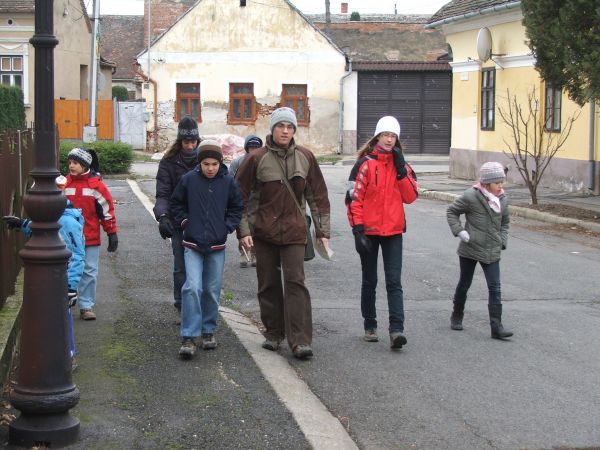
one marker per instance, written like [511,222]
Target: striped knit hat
[82,156]
[491,172]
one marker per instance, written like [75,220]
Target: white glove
[464,236]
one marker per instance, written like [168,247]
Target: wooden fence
[16,157]
[72,115]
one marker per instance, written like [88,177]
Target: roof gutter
[341,108]
[469,15]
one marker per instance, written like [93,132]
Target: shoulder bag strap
[287,184]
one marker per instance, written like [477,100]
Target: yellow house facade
[230,63]
[481,89]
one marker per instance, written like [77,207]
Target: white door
[132,124]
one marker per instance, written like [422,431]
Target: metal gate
[132,124]
[421,101]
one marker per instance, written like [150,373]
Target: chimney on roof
[344,8]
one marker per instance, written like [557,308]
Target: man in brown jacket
[273,225]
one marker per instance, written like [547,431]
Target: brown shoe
[87,314]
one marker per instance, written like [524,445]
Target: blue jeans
[391,249]
[201,293]
[178,266]
[87,285]
[492,277]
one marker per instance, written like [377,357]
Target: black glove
[113,242]
[13,222]
[400,163]
[72,298]
[165,228]
[362,242]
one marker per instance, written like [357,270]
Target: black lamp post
[44,392]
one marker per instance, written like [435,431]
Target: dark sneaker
[187,349]
[271,345]
[87,314]
[371,335]
[302,351]
[209,342]
[397,339]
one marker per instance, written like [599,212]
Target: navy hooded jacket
[208,209]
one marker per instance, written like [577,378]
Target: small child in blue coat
[208,205]
[71,231]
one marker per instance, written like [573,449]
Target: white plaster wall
[265,44]
[350,114]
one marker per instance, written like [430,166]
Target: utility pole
[44,392]
[149,34]
[89,134]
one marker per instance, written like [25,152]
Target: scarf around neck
[380,149]
[189,157]
[492,200]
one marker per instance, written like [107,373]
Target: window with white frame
[11,70]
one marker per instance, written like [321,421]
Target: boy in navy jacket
[208,205]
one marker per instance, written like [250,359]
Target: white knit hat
[389,124]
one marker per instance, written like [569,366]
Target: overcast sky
[126,7]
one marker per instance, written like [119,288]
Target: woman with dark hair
[178,160]
[380,184]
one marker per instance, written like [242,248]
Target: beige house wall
[515,76]
[287,50]
[72,55]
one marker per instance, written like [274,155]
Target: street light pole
[44,392]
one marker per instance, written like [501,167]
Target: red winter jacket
[90,194]
[375,198]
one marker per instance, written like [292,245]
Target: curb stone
[518,211]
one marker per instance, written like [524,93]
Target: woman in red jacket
[380,184]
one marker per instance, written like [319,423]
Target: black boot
[457,314]
[498,331]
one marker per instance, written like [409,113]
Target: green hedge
[120,93]
[114,157]
[12,109]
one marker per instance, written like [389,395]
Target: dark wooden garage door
[421,101]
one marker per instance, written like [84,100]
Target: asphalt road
[445,389]
[449,389]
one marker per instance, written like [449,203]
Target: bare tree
[533,146]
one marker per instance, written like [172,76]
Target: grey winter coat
[487,229]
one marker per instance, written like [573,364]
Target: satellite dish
[484,44]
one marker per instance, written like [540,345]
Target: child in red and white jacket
[380,184]
[87,192]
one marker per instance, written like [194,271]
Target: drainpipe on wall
[341,109]
[136,70]
[592,146]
